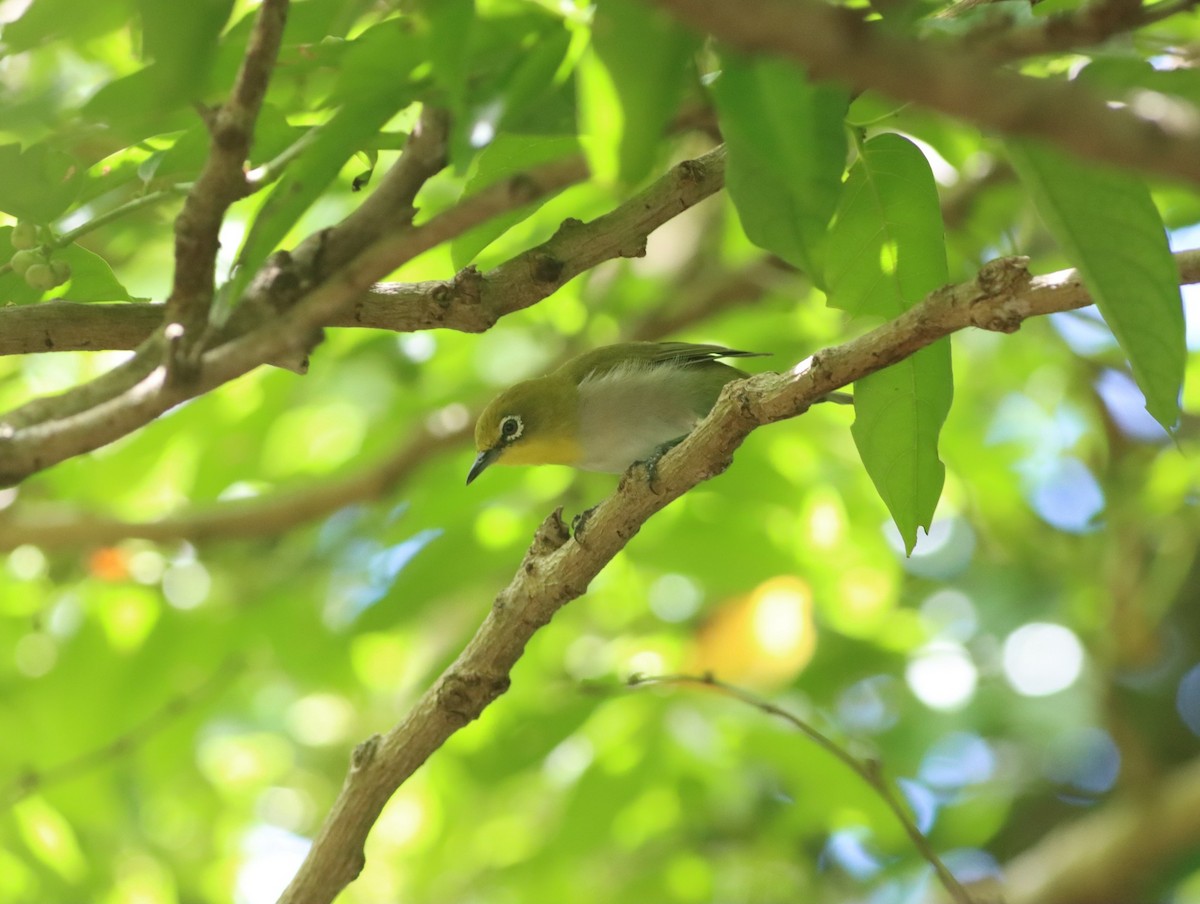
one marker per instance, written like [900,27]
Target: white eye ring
[511,427]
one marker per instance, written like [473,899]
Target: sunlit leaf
[886,252]
[50,837]
[787,152]
[1108,225]
[507,156]
[631,87]
[182,40]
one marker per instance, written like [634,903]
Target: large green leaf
[787,152]
[77,21]
[182,38]
[631,87]
[504,157]
[886,253]
[499,68]
[451,23]
[1109,227]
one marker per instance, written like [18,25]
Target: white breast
[628,412]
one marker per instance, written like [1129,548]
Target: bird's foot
[651,463]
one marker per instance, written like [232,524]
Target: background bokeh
[176,716]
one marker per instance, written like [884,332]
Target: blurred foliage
[177,718]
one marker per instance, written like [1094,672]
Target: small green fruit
[24,236]
[23,260]
[40,277]
[61,270]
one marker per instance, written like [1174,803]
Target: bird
[607,408]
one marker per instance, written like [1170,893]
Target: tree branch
[1092,24]
[834,42]
[470,301]
[558,568]
[241,518]
[49,527]
[221,182]
[27,447]
[1112,853]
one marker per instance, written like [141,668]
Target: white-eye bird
[605,409]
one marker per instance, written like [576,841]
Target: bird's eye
[511,427]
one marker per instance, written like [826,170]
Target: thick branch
[1111,854]
[26,448]
[558,569]
[52,527]
[470,302]
[473,302]
[1087,26]
[834,42]
[242,518]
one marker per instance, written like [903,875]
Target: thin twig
[870,771]
[31,780]
[262,176]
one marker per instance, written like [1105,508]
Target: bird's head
[531,423]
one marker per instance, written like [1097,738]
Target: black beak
[485,458]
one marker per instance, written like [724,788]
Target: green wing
[685,354]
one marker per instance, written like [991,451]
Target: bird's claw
[651,464]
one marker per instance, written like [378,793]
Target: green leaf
[78,21]
[898,414]
[631,86]
[92,279]
[886,253]
[1110,229]
[37,184]
[375,85]
[507,155]
[787,152]
[450,25]
[120,106]
[519,76]
[182,39]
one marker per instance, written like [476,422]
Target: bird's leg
[651,463]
